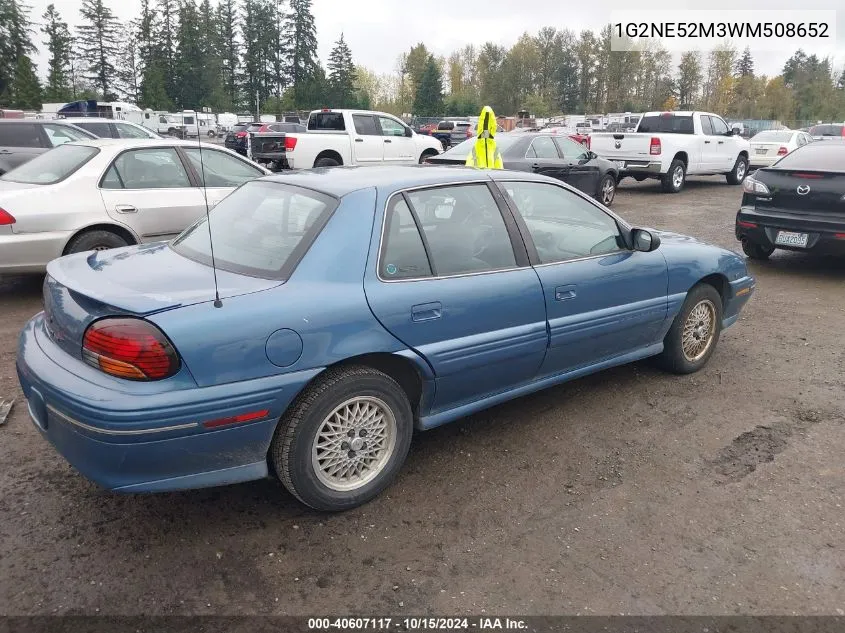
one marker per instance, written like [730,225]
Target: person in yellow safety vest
[484,154]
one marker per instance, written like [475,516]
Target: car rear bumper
[763,161]
[30,252]
[825,233]
[633,167]
[136,440]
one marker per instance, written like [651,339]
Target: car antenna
[217,302]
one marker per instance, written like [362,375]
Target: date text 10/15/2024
[416,624]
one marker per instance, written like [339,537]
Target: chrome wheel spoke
[698,330]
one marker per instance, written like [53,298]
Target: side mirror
[735,131]
[645,241]
[409,132]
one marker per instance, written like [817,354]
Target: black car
[236,140]
[22,140]
[551,155]
[797,204]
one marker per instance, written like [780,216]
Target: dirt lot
[627,492]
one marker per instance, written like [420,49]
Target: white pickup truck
[345,137]
[671,145]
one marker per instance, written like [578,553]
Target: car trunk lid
[137,281]
[802,191]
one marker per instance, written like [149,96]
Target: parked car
[827,131]
[797,204]
[670,146]
[105,193]
[551,155]
[21,140]
[237,139]
[336,320]
[452,132]
[770,146]
[354,137]
[111,128]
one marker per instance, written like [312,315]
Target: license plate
[620,164]
[788,238]
[762,151]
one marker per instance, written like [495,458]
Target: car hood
[148,278]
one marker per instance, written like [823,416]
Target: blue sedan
[340,309]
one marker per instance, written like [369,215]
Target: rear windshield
[52,166]
[772,137]
[815,157]
[826,130]
[327,121]
[672,124]
[262,229]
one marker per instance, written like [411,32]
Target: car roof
[35,121]
[141,142]
[91,119]
[340,181]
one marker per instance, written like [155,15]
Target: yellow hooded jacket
[484,153]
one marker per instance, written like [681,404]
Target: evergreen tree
[129,64]
[98,45]
[280,54]
[301,34]
[59,86]
[689,80]
[211,52]
[26,90]
[154,88]
[15,42]
[342,76]
[190,93]
[429,96]
[227,28]
[165,38]
[257,33]
[745,64]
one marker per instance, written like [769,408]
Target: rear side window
[403,255]
[261,229]
[543,147]
[19,135]
[365,125]
[332,121]
[124,130]
[53,166]
[667,124]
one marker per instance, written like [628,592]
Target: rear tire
[739,172]
[330,425]
[673,180]
[98,240]
[690,342]
[607,190]
[427,154]
[326,162]
[756,251]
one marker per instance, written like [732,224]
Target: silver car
[107,193]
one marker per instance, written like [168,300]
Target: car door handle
[125,208]
[721,142]
[707,142]
[426,311]
[564,293]
[387,140]
[359,140]
[4,152]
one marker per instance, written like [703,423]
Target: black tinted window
[327,121]
[100,129]
[666,123]
[19,135]
[403,255]
[366,125]
[562,224]
[464,229]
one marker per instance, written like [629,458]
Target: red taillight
[129,348]
[236,419]
[839,236]
[655,147]
[240,135]
[6,218]
[587,142]
[810,176]
[290,143]
[747,225]
[783,151]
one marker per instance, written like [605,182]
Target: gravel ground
[630,491]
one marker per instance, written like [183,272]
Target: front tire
[344,440]
[673,180]
[98,240]
[756,251]
[607,190]
[690,342]
[738,173]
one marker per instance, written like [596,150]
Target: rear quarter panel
[309,145]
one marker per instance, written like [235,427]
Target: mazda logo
[803,190]
[617,145]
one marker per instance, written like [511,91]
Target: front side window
[158,168]
[464,229]
[390,127]
[124,130]
[570,149]
[403,254]
[543,147]
[562,225]
[219,169]
[720,128]
[261,229]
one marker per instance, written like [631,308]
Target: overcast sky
[377,31]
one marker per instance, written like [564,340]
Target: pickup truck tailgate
[622,146]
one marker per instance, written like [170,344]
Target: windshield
[462,150]
[52,166]
[262,229]
[772,137]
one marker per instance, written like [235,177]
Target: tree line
[225,54]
